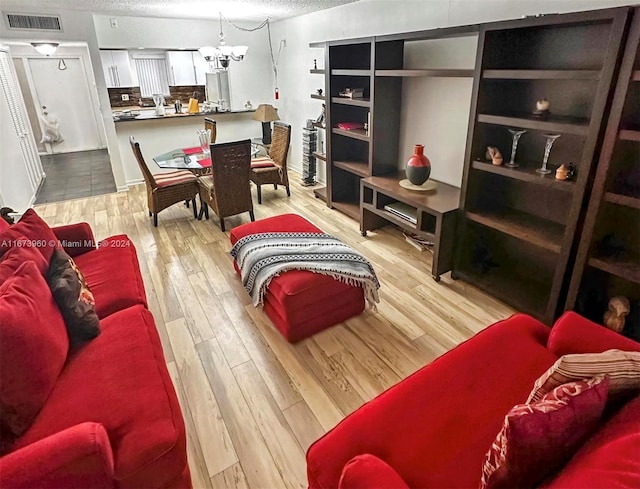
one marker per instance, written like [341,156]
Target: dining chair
[272,169]
[165,189]
[227,190]
[211,124]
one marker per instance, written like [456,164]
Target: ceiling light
[46,48]
[223,53]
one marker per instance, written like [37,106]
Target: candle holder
[551,138]
[515,134]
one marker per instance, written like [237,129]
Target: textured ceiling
[232,9]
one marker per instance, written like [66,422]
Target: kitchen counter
[149,114]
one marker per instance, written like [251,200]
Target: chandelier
[223,53]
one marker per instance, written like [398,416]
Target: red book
[349,126]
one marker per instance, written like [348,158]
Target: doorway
[61,92]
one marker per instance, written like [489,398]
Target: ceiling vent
[34,22]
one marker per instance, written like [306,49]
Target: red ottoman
[301,303]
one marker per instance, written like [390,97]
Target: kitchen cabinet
[117,69]
[186,68]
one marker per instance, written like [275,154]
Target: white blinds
[152,75]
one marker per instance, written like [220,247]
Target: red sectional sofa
[433,429]
[112,418]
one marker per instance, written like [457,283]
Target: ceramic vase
[418,166]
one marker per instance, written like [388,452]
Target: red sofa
[112,418]
[433,429]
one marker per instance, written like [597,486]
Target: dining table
[192,158]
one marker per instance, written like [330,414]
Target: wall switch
[113,22]
[125,97]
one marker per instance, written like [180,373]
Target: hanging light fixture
[223,53]
[46,48]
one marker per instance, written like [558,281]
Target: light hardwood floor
[252,402]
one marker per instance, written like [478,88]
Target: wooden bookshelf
[541,74]
[320,156]
[554,124]
[318,97]
[426,73]
[626,265]
[629,135]
[360,134]
[317,72]
[357,102]
[526,174]
[320,193]
[360,168]
[351,209]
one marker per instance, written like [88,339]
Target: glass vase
[515,134]
[551,138]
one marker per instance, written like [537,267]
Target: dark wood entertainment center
[539,244]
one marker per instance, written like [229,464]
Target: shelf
[318,97]
[360,134]
[351,72]
[398,221]
[320,156]
[629,135]
[635,75]
[553,124]
[523,294]
[541,74]
[620,199]
[526,175]
[358,102]
[351,209]
[445,73]
[360,168]
[316,72]
[626,266]
[318,125]
[320,193]
[539,232]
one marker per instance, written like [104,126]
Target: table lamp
[266,113]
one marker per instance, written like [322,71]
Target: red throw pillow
[536,439]
[12,259]
[32,232]
[33,347]
[369,472]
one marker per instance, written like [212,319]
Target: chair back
[146,173]
[211,125]
[231,173]
[280,141]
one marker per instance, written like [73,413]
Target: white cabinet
[202,67]
[186,68]
[117,68]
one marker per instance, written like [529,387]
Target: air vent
[34,22]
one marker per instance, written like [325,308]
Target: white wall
[437,118]
[78,27]
[250,79]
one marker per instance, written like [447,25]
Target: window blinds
[152,75]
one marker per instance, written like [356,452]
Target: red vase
[418,166]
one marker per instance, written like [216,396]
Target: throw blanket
[261,257]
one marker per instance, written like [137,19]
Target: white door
[21,170]
[65,94]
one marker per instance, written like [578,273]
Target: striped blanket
[261,257]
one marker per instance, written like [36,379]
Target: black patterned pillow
[73,297]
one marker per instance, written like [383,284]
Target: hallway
[76,175]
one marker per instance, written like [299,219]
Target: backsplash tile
[182,93]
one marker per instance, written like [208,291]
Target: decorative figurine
[563,173]
[5,213]
[321,117]
[494,155]
[248,105]
[614,318]
[319,90]
[315,65]
[542,108]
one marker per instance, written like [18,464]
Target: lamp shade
[265,113]
[46,48]
[209,52]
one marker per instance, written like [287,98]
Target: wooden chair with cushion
[272,169]
[211,124]
[227,190]
[166,189]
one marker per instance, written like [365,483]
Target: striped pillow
[621,367]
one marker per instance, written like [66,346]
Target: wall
[78,27]
[438,120]
[250,79]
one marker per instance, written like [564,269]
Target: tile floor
[76,175]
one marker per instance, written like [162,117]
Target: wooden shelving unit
[360,134]
[426,73]
[518,228]
[608,254]
[320,156]
[317,72]
[318,97]
[320,193]
[358,102]
[360,168]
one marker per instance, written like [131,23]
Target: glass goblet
[551,138]
[515,134]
